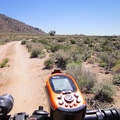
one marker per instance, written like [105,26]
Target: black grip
[107,114]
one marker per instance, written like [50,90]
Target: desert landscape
[28,56]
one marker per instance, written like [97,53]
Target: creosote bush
[84,79]
[36,49]
[74,69]
[61,59]
[35,53]
[49,63]
[103,91]
[87,81]
[116,79]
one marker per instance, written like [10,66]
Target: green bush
[2,65]
[61,40]
[49,63]
[23,42]
[72,41]
[87,81]
[116,79]
[61,59]
[117,62]
[4,62]
[35,49]
[116,69]
[90,45]
[103,91]
[54,47]
[102,64]
[87,41]
[34,53]
[84,79]
[29,46]
[86,55]
[74,69]
[41,55]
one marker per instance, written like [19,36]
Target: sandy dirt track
[24,79]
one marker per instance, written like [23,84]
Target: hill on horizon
[11,25]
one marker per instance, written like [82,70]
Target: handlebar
[106,114]
[6,104]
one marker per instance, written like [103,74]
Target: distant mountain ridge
[8,24]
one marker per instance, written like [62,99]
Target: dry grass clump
[4,62]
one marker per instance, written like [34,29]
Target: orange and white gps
[65,99]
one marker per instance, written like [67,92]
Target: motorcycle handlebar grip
[107,114]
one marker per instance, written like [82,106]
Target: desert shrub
[91,61]
[48,49]
[116,69]
[34,53]
[107,60]
[97,48]
[4,62]
[84,79]
[104,56]
[23,42]
[35,40]
[41,55]
[116,79]
[35,49]
[61,40]
[103,91]
[61,58]
[72,41]
[87,41]
[54,47]
[102,64]
[44,41]
[74,69]
[65,47]
[111,61]
[90,45]
[117,62]
[87,81]
[49,63]
[86,55]
[74,56]
[29,46]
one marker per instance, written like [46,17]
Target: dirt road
[24,79]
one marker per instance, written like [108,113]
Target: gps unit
[65,99]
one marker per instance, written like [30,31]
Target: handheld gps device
[65,99]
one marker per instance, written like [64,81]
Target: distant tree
[52,33]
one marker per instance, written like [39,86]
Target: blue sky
[89,17]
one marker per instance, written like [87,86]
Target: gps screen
[61,83]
